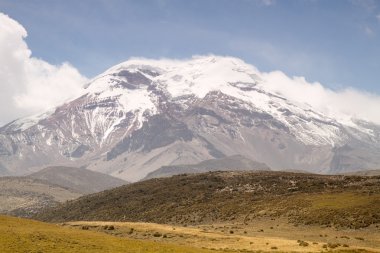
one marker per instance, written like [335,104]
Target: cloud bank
[29,85]
[343,105]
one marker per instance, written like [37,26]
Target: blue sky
[334,42]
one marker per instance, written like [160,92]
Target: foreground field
[266,235]
[21,235]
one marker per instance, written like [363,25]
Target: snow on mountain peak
[133,84]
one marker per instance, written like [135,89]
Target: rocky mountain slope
[236,197]
[144,114]
[77,179]
[230,163]
[23,196]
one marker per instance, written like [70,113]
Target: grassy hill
[22,235]
[339,201]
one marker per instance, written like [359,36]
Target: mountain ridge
[143,114]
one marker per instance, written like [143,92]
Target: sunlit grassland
[21,235]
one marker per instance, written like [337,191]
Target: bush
[303,243]
[157,234]
[333,245]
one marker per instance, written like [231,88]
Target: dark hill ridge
[230,163]
[78,179]
[342,201]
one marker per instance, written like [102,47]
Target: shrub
[157,234]
[333,245]
[303,243]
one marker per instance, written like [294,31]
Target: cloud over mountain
[27,84]
[340,104]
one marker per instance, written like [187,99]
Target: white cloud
[27,84]
[369,31]
[268,2]
[341,105]
[265,3]
[368,5]
[378,17]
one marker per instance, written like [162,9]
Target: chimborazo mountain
[143,114]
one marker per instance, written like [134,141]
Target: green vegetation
[303,199]
[22,235]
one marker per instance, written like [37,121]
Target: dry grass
[264,235]
[21,235]
[343,200]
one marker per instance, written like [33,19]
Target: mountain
[77,179]
[23,196]
[230,163]
[233,197]
[143,114]
[368,173]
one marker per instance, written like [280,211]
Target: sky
[49,48]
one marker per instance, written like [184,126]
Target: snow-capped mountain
[143,114]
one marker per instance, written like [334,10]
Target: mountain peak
[143,114]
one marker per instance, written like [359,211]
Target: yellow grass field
[266,235]
[27,236]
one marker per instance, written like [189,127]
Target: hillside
[22,235]
[230,163]
[340,201]
[366,173]
[78,179]
[24,196]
